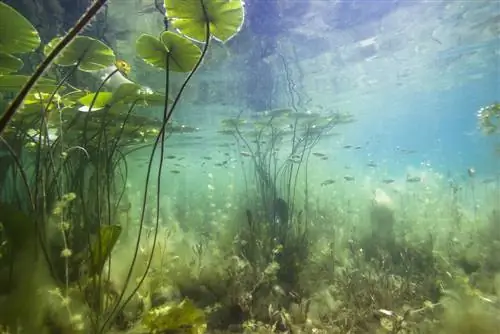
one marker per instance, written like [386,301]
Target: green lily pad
[182,54]
[13,83]
[92,55]
[225,18]
[127,92]
[72,98]
[17,34]
[9,63]
[42,100]
[102,100]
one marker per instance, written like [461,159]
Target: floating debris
[413,179]
[327,182]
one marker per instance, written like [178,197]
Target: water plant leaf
[184,317]
[14,82]
[71,98]
[225,18]
[17,34]
[103,99]
[101,247]
[90,54]
[126,92]
[182,54]
[9,63]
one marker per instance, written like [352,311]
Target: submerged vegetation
[82,252]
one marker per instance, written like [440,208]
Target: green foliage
[97,100]
[101,248]
[86,52]
[180,53]
[185,317]
[225,18]
[12,83]
[9,63]
[17,34]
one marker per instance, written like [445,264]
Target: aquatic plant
[67,150]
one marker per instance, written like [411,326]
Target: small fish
[358,148]
[318,154]
[488,181]
[170,157]
[471,172]
[349,178]
[347,146]
[327,182]
[207,158]
[324,158]
[371,164]
[175,171]
[413,179]
[388,181]
[246,154]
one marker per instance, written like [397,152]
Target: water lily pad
[225,18]
[92,55]
[9,63]
[102,100]
[72,98]
[13,83]
[182,54]
[17,34]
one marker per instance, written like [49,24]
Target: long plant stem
[45,64]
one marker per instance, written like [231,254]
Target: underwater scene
[258,166]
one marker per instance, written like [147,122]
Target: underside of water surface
[230,166]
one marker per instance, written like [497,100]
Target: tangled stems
[45,64]
[167,114]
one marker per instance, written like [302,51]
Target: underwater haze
[258,166]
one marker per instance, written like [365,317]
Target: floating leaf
[9,63]
[13,83]
[89,53]
[103,99]
[184,317]
[42,100]
[17,34]
[126,92]
[225,18]
[72,98]
[100,251]
[182,54]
